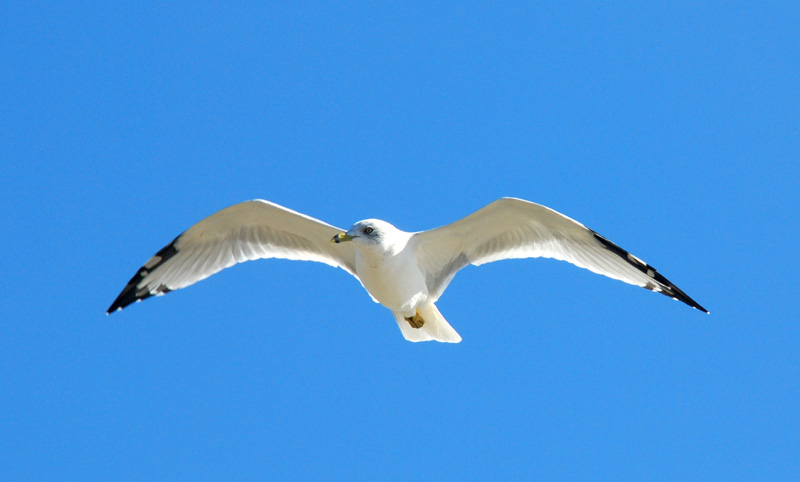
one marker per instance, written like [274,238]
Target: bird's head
[369,232]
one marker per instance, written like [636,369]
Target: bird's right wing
[515,228]
[245,231]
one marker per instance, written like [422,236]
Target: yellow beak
[341,237]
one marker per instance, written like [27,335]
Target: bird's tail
[427,324]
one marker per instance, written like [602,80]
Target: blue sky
[670,127]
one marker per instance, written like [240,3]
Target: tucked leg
[416,321]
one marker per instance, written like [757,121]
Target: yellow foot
[416,321]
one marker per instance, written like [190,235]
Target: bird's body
[379,264]
[405,272]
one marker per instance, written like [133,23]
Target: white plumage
[406,272]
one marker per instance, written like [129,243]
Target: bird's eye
[369,230]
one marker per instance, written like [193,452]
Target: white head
[372,233]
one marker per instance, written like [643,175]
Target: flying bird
[405,272]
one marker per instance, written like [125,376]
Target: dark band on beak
[341,237]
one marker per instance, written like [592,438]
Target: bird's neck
[377,254]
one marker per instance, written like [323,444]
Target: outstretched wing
[249,230]
[515,228]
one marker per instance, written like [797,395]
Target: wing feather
[514,228]
[242,232]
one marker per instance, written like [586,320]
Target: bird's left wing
[245,231]
[515,228]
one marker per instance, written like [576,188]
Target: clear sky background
[669,127]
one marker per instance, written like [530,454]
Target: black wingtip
[686,299]
[132,293]
[129,295]
[665,286]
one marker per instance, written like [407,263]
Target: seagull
[405,272]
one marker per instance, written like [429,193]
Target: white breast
[393,280]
